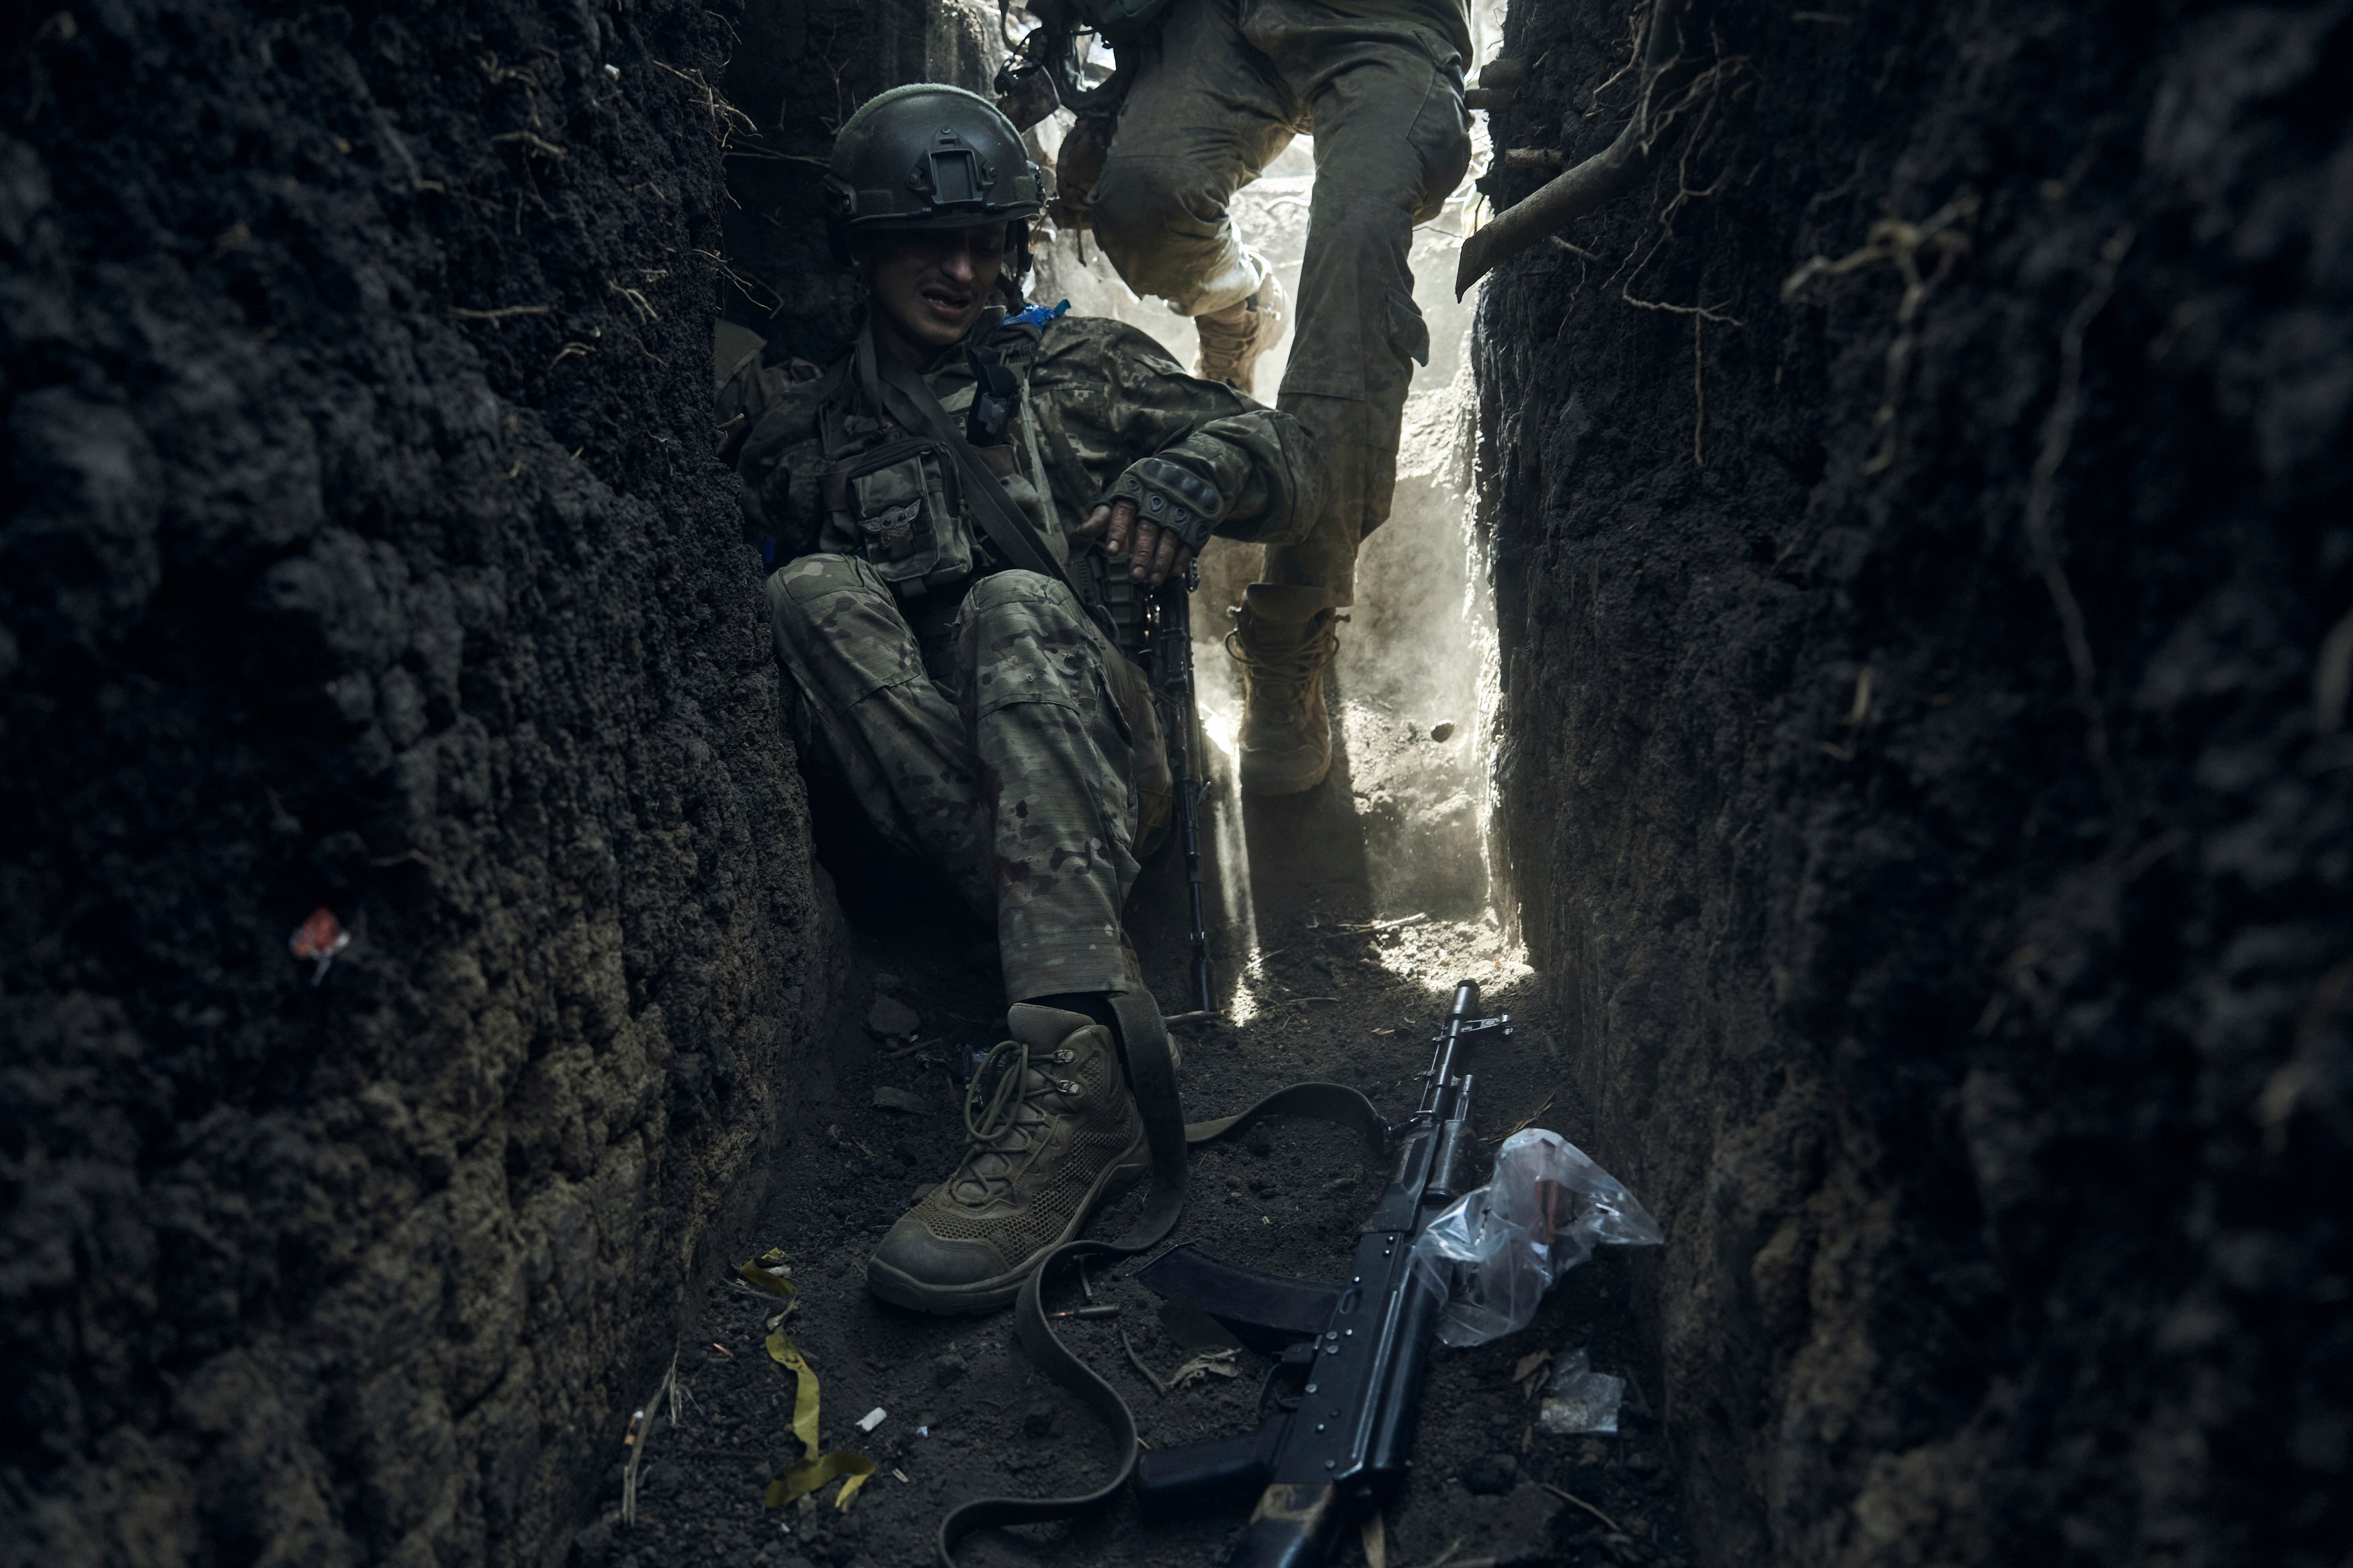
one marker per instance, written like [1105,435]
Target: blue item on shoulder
[1037,315]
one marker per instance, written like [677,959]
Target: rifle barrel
[1437,1093]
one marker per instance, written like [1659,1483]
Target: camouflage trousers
[1223,88]
[1014,769]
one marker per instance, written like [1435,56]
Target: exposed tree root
[2058,432]
[1702,94]
[1903,243]
[1608,173]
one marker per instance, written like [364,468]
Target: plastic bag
[1579,1399]
[1499,1248]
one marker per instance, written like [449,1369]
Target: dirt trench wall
[1925,764]
[362,551]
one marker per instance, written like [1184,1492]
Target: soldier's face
[929,286]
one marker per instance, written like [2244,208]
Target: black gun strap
[1153,1071]
[1332,1102]
[1067,458]
[999,515]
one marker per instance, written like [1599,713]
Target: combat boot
[1230,351]
[1054,1136]
[1286,738]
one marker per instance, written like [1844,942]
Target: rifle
[1169,651]
[1358,1350]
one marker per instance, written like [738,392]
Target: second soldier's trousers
[1016,774]
[1224,87]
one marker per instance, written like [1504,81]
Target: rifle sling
[999,515]
[1153,1073]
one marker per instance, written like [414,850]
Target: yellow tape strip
[815,1469]
[810,1474]
[760,1272]
[785,1354]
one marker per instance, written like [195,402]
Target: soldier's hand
[1155,551]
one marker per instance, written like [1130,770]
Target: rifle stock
[1293,1527]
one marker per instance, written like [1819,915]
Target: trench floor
[1331,990]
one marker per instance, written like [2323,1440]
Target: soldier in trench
[1217,88]
[957,509]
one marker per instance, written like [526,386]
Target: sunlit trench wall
[1974,1016]
[363,550]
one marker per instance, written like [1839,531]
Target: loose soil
[965,1412]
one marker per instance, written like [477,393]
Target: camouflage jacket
[1101,409]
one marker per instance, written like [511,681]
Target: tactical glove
[1172,497]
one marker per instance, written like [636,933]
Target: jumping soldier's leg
[896,738]
[1204,117]
[1391,142]
[1055,1132]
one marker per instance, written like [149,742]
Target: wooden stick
[1572,1496]
[1592,185]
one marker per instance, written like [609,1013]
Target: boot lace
[1006,1125]
[1283,675]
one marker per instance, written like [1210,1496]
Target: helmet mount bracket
[955,176]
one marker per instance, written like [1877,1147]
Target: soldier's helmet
[928,155]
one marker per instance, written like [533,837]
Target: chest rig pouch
[898,504]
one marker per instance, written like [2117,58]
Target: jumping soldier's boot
[1287,739]
[1054,1136]
[1232,348]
